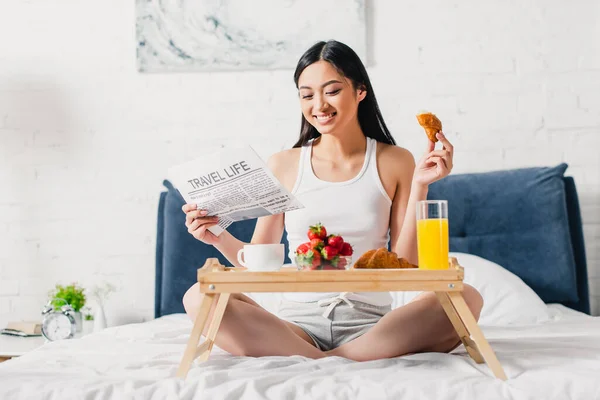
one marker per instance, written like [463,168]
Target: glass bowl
[337,263]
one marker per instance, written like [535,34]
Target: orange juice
[432,240]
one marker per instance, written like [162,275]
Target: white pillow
[506,298]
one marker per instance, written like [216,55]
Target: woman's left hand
[435,164]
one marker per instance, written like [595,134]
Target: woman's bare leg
[247,329]
[419,326]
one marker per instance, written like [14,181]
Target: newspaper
[234,184]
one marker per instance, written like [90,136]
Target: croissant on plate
[431,124]
[382,258]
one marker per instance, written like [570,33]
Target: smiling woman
[351,177]
[332,98]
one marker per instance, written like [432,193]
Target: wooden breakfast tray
[217,282]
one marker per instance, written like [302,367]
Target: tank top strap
[306,164]
[303,161]
[373,154]
[308,175]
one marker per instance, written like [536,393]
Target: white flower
[102,291]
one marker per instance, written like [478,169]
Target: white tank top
[357,209]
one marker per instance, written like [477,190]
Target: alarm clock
[58,324]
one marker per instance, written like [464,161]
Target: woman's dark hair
[347,62]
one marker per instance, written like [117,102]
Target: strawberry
[334,261]
[346,249]
[317,244]
[329,252]
[342,262]
[303,248]
[316,261]
[335,241]
[311,259]
[317,231]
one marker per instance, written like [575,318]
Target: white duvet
[555,359]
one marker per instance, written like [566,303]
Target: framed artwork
[235,35]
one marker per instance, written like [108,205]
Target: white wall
[85,140]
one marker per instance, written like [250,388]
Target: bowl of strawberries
[323,251]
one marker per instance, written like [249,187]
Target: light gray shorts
[342,324]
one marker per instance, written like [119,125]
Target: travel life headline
[220,175]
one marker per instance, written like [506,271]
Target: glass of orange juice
[432,234]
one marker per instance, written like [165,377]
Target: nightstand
[15,346]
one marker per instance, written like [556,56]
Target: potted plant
[88,321]
[72,294]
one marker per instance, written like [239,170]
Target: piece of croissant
[405,264]
[372,259]
[382,258]
[431,124]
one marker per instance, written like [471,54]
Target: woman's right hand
[198,223]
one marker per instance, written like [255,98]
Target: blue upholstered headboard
[527,220]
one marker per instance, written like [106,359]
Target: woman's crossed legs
[422,325]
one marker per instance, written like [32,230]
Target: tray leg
[214,326]
[460,327]
[471,325]
[190,350]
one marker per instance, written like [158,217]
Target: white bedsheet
[559,359]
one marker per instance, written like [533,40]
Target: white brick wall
[85,140]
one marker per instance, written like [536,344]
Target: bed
[518,235]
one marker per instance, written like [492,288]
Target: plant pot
[78,318]
[87,326]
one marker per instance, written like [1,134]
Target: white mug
[262,257]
